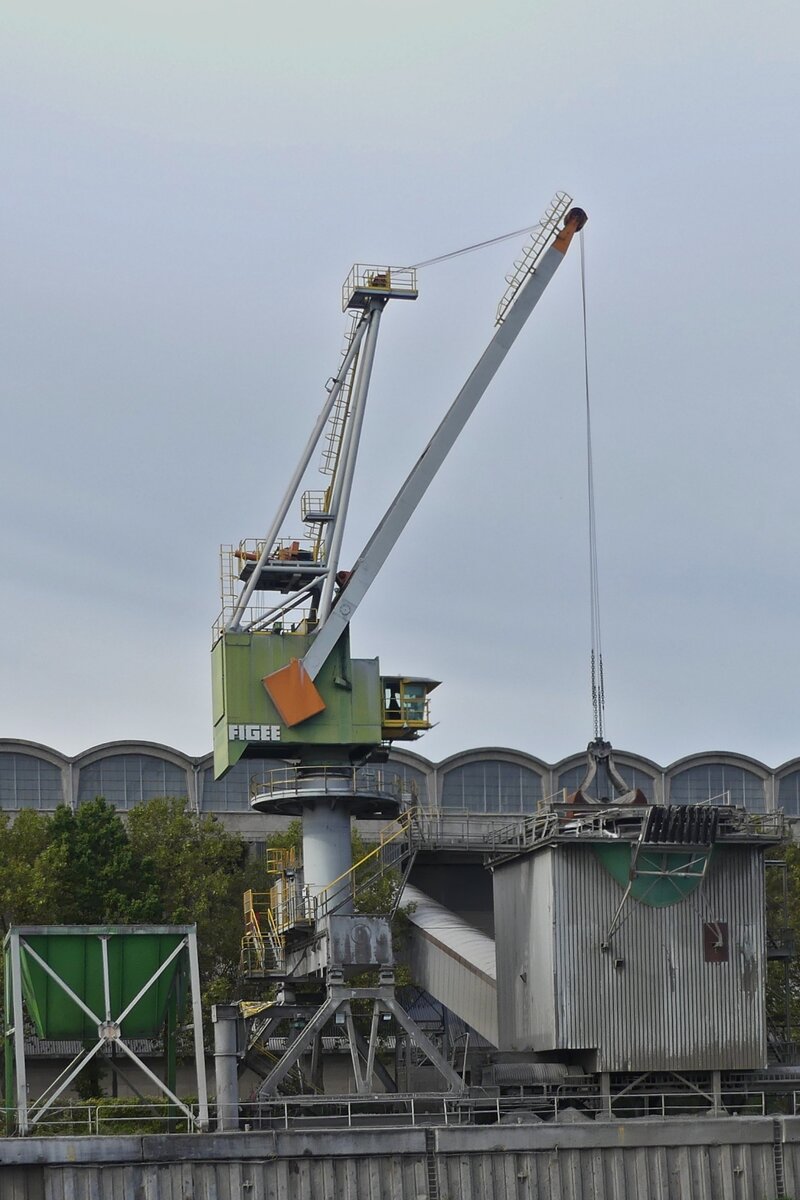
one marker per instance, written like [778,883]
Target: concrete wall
[709,1159]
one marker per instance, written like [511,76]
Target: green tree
[100,876]
[783,932]
[201,872]
[28,891]
[167,866]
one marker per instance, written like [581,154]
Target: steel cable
[503,237]
[598,682]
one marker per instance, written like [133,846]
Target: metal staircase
[315,506]
[263,944]
[338,418]
[287,908]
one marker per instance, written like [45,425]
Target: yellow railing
[398,281]
[413,714]
[260,953]
[408,706]
[279,859]
[286,549]
[251,919]
[345,882]
[268,916]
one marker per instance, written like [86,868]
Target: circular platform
[367,792]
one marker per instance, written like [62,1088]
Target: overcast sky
[186,185]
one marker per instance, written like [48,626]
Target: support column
[170,1049]
[8,1034]
[419,1039]
[226,1018]
[19,1038]
[328,852]
[197,1021]
[605,1096]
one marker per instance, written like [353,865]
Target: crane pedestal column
[328,852]
[326,798]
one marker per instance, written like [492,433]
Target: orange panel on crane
[293,692]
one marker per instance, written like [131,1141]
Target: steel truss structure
[110,1023]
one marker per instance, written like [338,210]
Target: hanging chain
[598,683]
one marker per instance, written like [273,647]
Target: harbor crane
[286,689]
[285,685]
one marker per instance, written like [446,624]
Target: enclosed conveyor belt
[454,962]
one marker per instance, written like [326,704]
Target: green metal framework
[101,985]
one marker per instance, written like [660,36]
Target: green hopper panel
[133,959]
[680,872]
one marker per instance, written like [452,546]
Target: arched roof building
[489,779]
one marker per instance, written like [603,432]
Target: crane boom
[292,687]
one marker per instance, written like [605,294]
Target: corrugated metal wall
[524,953]
[651,1001]
[663,1173]
[715,1159]
[299,1179]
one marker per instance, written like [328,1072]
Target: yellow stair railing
[270,915]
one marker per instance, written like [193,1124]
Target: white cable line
[503,237]
[598,683]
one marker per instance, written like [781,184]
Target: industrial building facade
[485,780]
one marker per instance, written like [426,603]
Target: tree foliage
[100,876]
[166,866]
[28,887]
[783,932]
[200,872]
[163,865]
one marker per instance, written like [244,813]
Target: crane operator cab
[406,711]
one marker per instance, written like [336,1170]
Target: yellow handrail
[398,828]
[281,910]
[274,927]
